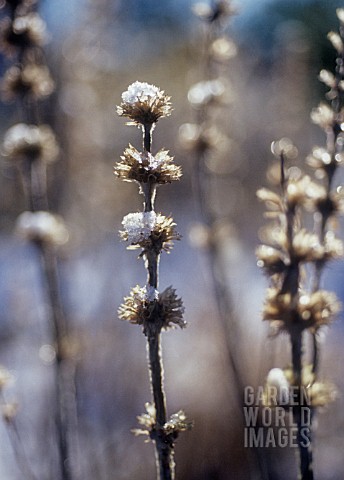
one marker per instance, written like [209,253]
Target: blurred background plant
[95,51]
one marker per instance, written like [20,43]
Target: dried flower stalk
[152,232]
[204,139]
[207,141]
[32,146]
[295,304]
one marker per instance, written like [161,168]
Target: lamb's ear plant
[31,147]
[294,257]
[152,232]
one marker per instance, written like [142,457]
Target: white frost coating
[138,91]
[147,294]
[276,379]
[139,226]
[155,162]
[151,293]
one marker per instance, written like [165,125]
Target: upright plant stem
[164,450]
[59,329]
[291,287]
[303,429]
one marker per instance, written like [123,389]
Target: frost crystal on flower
[151,293]
[42,227]
[30,142]
[138,226]
[138,91]
[149,231]
[144,167]
[144,104]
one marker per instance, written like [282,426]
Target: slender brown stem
[164,449]
[303,428]
[149,191]
[163,445]
[147,136]
[34,173]
[63,372]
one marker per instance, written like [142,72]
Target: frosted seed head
[30,142]
[144,104]
[43,227]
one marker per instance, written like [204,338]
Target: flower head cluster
[313,393]
[30,142]
[320,159]
[301,191]
[145,167]
[177,422]
[153,310]
[144,104]
[149,231]
[27,81]
[307,311]
[25,31]
[42,227]
[295,302]
[32,81]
